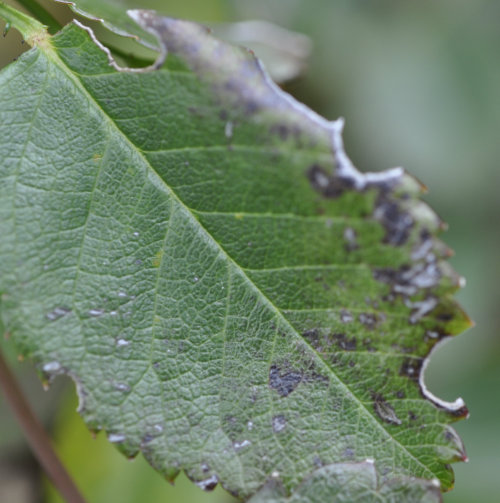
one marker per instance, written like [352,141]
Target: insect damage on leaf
[265,306]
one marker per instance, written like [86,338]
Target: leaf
[230,295]
[112,16]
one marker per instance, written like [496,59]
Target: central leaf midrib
[54,56]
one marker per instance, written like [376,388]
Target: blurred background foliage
[419,85]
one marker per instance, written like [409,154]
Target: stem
[36,435]
[42,15]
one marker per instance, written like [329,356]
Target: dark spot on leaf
[400,394]
[411,368]
[281,130]
[409,280]
[251,107]
[283,382]
[384,410]
[314,376]
[208,484]
[315,339]
[344,342]
[231,420]
[385,471]
[397,222]
[348,453]
[346,316]
[369,320]
[367,343]
[445,317]
[412,415]
[312,334]
[317,462]
[327,185]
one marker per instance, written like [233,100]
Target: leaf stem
[36,435]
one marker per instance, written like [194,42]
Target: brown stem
[36,435]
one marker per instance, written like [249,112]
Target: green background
[419,86]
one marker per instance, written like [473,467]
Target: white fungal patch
[228,129]
[350,238]
[57,313]
[279,423]
[241,445]
[421,308]
[421,250]
[122,387]
[52,367]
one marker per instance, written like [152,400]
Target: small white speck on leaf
[228,129]
[115,438]
[52,367]
[241,445]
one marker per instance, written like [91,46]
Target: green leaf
[229,294]
[113,16]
